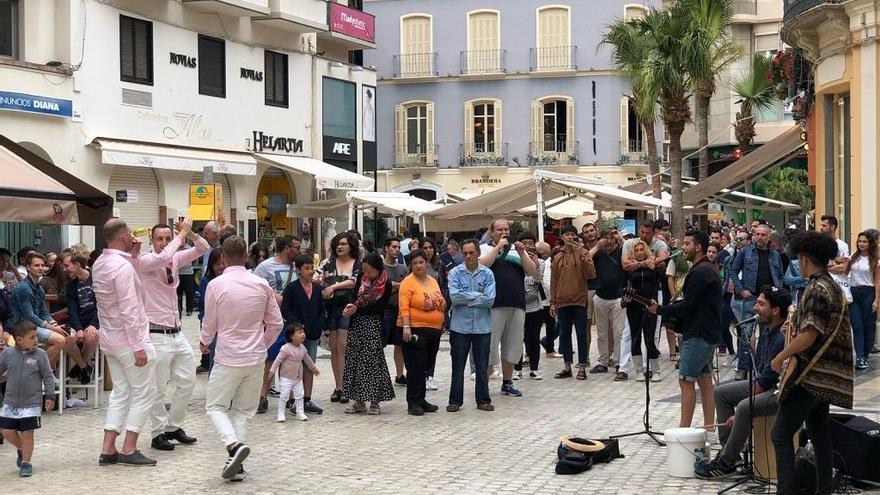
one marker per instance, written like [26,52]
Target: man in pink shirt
[174,356]
[241,310]
[125,340]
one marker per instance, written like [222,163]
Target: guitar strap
[822,349]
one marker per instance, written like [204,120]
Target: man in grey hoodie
[28,376]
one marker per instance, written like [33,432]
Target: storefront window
[339,108]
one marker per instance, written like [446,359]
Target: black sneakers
[310,408]
[235,460]
[715,470]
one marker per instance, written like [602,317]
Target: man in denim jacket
[472,292]
[754,267]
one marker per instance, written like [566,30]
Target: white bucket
[685,448]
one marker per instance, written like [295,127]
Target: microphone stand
[749,475]
[646,419]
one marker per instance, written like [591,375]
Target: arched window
[634,11]
[414,134]
[484,42]
[552,137]
[416,46]
[482,133]
[554,50]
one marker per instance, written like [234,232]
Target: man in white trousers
[175,365]
[125,340]
[241,310]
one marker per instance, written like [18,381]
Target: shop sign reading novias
[21,102]
[352,22]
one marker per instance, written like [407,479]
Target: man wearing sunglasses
[158,272]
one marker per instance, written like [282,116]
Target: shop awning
[750,166]
[384,202]
[609,198]
[152,155]
[34,190]
[567,207]
[730,197]
[326,176]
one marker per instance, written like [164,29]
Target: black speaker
[856,446]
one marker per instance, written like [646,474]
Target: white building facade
[158,91]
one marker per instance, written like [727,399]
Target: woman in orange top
[421,312]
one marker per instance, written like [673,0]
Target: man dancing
[125,340]
[822,345]
[698,314]
[174,358]
[238,306]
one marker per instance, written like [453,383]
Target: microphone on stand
[746,321]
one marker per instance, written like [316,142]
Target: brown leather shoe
[453,408]
[621,377]
[485,407]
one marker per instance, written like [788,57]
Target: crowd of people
[263,315]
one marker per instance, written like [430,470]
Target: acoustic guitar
[789,366]
[630,294]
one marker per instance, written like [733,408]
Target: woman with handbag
[643,281]
[421,314]
[338,275]
[365,378]
[430,249]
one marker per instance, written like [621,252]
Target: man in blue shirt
[756,266]
[732,398]
[29,303]
[472,294]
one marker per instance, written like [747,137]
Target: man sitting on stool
[771,308]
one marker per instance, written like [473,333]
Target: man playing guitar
[821,346]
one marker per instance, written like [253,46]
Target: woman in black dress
[365,377]
[644,282]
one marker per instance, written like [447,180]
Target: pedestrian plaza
[510,450]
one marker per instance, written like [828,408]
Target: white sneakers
[299,417]
[430,383]
[517,375]
[534,375]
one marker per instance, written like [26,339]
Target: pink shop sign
[352,22]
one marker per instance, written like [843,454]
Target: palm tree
[787,184]
[756,93]
[629,51]
[665,77]
[712,50]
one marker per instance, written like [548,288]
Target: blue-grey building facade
[492,84]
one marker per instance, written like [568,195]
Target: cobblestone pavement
[510,450]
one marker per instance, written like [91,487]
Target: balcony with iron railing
[483,154]
[745,7]
[634,151]
[553,153]
[553,58]
[415,65]
[416,156]
[794,8]
[483,61]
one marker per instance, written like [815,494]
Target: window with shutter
[135,50]
[276,79]
[9,29]
[212,66]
